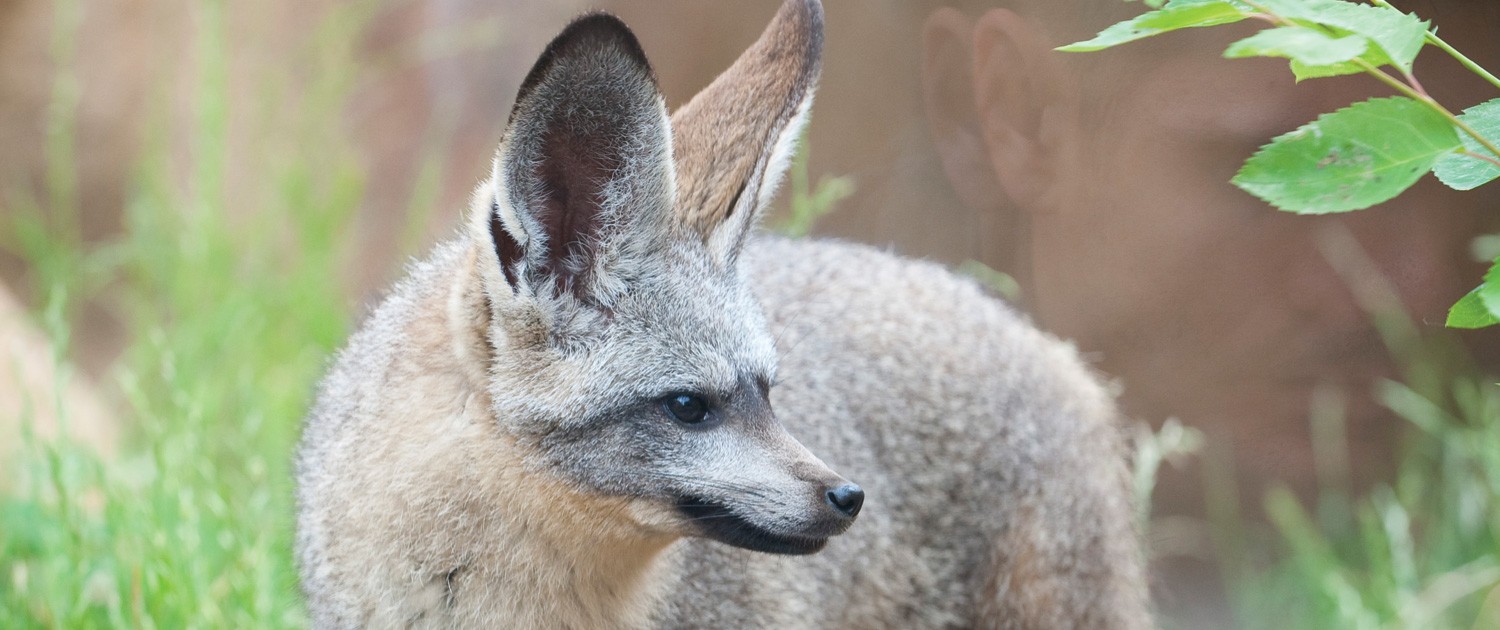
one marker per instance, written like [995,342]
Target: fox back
[579,412]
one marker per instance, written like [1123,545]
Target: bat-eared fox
[608,402]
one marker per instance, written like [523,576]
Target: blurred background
[199,199]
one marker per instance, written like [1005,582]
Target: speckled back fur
[992,458]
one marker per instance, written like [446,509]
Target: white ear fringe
[765,179]
[783,151]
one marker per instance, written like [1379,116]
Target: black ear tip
[595,31]
[809,11]
[600,28]
[804,20]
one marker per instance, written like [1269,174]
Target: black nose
[847,499]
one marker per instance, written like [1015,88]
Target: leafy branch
[1433,39]
[1364,154]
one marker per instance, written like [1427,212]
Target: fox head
[622,348]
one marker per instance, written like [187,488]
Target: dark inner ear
[586,151]
[573,174]
[506,247]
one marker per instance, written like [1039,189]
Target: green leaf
[1481,307]
[1350,159]
[1373,56]
[1399,36]
[1304,72]
[1489,291]
[1304,45]
[1470,312]
[1175,15]
[1466,172]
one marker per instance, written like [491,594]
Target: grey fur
[490,449]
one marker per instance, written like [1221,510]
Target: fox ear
[735,138]
[582,185]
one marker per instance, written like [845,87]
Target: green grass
[233,302]
[1420,552]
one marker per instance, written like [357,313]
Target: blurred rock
[35,389]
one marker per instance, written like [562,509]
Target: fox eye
[686,408]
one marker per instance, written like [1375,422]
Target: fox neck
[553,565]
[553,557]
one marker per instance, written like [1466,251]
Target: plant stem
[1480,156]
[1412,89]
[1430,102]
[1411,80]
[1468,63]
[1433,39]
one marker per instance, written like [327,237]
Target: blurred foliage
[1364,154]
[233,306]
[1418,553]
[811,202]
[1422,551]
